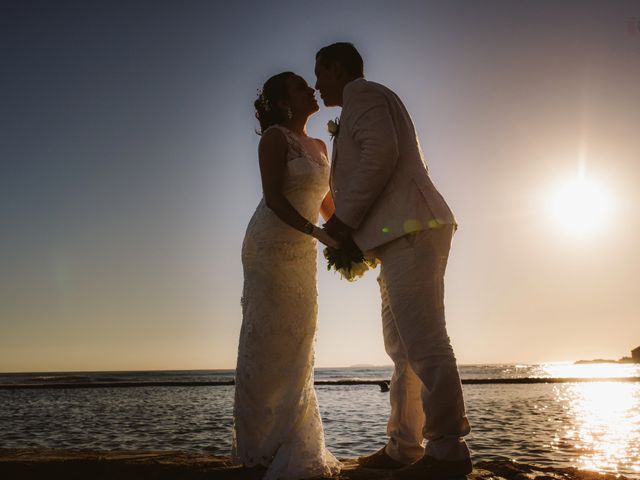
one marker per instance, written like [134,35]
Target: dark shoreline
[31,464]
[383,384]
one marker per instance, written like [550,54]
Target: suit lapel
[334,157]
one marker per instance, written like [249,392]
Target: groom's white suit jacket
[379,178]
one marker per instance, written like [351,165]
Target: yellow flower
[354,272]
[346,265]
[359,268]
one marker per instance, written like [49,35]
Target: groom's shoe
[380,459]
[430,468]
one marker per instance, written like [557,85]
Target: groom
[386,204]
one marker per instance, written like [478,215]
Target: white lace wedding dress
[276,417]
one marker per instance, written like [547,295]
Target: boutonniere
[333,126]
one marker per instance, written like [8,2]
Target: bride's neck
[298,126]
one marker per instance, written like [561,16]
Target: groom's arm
[372,128]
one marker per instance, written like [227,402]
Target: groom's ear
[339,71]
[337,68]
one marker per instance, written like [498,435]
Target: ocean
[591,425]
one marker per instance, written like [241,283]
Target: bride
[277,422]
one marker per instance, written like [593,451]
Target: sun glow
[581,205]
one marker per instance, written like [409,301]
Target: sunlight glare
[580,205]
[589,370]
[605,424]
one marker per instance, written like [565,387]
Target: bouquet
[348,261]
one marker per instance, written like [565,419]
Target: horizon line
[315,368]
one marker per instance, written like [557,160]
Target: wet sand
[27,464]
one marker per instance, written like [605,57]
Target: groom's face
[328,83]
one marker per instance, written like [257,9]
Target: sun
[581,205]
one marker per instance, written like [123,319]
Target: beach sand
[26,464]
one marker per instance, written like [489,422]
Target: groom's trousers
[426,394]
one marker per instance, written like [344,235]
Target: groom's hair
[343,53]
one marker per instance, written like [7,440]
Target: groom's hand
[337,229]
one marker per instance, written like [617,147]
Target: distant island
[604,360]
[634,358]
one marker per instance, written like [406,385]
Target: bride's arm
[327,208]
[272,153]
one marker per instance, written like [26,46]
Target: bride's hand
[322,236]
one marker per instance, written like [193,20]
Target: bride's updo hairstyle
[267,110]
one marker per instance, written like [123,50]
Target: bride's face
[302,98]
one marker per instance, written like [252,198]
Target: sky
[128,173]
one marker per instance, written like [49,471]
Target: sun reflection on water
[589,370]
[602,425]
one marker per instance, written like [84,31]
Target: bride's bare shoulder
[274,134]
[273,137]
[273,144]
[321,144]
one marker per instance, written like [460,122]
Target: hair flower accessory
[264,101]
[333,126]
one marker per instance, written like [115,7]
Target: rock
[53,464]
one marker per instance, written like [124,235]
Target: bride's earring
[289,113]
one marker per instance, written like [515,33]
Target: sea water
[592,425]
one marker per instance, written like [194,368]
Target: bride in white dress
[277,422]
